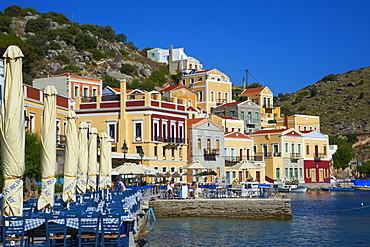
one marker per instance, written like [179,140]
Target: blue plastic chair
[88,229]
[13,231]
[56,232]
[112,231]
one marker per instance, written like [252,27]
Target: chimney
[286,121]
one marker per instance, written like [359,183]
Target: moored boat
[337,189]
[292,188]
[359,187]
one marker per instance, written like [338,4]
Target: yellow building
[154,128]
[211,86]
[229,124]
[263,97]
[181,92]
[34,106]
[300,122]
[282,149]
[239,147]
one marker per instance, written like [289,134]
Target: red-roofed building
[282,150]
[228,123]
[247,111]
[263,97]
[212,87]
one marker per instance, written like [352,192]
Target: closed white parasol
[71,158]
[48,150]
[92,168]
[12,133]
[82,158]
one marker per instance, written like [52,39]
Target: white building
[162,55]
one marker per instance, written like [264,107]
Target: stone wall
[230,207]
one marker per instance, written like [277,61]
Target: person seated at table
[191,190]
[170,190]
[119,186]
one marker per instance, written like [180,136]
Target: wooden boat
[361,187]
[292,188]
[337,189]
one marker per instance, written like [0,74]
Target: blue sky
[285,45]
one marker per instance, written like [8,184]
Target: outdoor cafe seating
[95,217]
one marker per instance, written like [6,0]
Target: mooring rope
[338,211]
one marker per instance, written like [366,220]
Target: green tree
[32,157]
[13,11]
[84,41]
[352,138]
[39,42]
[254,85]
[344,153]
[56,17]
[121,38]
[313,91]
[361,96]
[38,25]
[110,81]
[128,69]
[5,22]
[364,169]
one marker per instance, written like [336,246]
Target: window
[181,134]
[226,97]
[324,150]
[112,131]
[76,92]
[208,144]
[155,151]
[173,133]
[200,95]
[164,151]
[212,96]
[232,113]
[190,66]
[249,117]
[307,149]
[254,149]
[286,147]
[191,80]
[86,92]
[217,144]
[242,115]
[199,143]
[308,174]
[264,148]
[183,81]
[172,169]
[164,131]
[155,132]
[256,116]
[153,55]
[200,78]
[293,149]
[219,97]
[164,169]
[138,130]
[225,153]
[299,148]
[275,148]
[94,92]
[32,124]
[173,152]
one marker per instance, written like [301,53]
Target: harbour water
[320,218]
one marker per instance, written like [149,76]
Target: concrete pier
[230,207]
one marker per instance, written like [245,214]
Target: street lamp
[124,150]
[141,154]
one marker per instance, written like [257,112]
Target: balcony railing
[211,151]
[221,101]
[295,155]
[272,154]
[169,139]
[318,157]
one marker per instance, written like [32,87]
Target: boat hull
[293,190]
[361,187]
[337,189]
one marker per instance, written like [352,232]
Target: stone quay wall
[228,207]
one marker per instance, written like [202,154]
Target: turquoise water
[319,219]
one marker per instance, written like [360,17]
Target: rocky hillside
[52,44]
[342,101]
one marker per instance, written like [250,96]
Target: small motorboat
[337,189]
[292,188]
[361,187]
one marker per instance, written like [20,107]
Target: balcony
[176,140]
[232,159]
[272,154]
[318,157]
[221,101]
[211,151]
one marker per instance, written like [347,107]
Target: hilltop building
[212,87]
